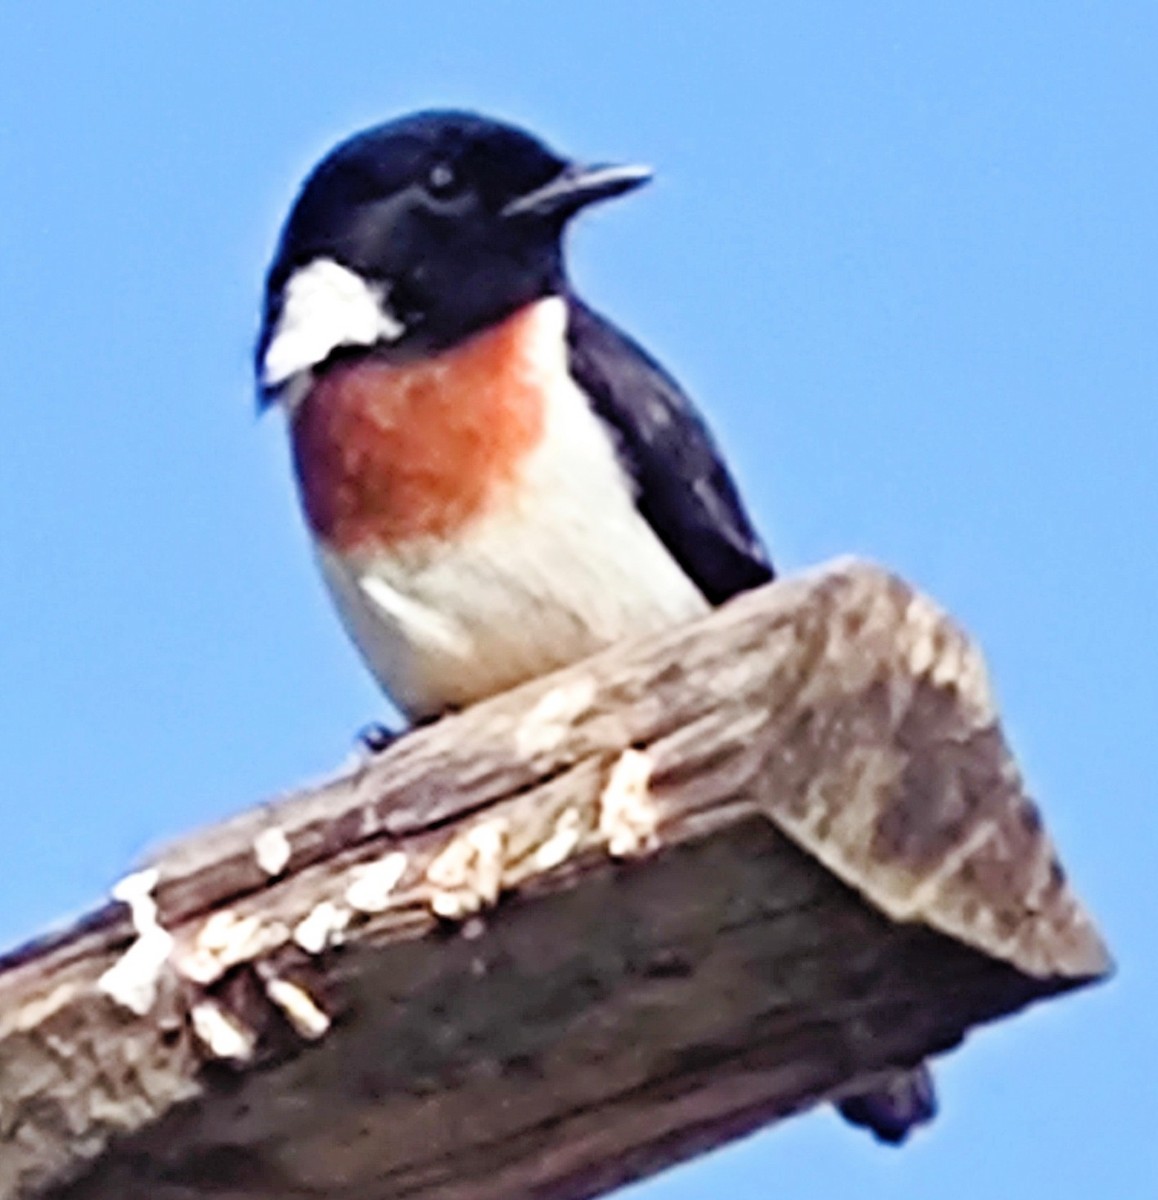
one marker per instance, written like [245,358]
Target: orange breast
[388,453]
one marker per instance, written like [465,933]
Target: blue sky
[903,254]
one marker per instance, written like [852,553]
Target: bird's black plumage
[896,1106]
[683,488]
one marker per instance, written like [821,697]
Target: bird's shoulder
[683,486]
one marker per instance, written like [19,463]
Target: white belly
[567,568]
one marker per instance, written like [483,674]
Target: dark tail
[894,1107]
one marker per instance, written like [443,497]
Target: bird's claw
[376,738]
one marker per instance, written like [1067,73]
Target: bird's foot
[376,738]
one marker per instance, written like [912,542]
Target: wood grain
[637,908]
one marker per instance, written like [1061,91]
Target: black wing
[684,490]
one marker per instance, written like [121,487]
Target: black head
[410,237]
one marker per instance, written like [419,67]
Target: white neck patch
[325,305]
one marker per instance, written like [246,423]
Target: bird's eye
[443,181]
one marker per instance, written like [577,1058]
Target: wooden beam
[564,939]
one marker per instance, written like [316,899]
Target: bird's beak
[574,188]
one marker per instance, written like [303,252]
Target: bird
[497,481]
